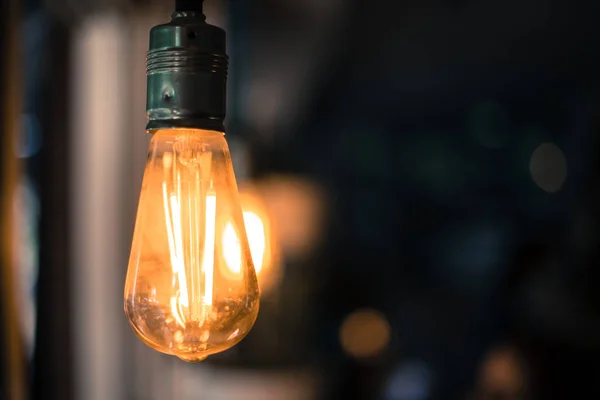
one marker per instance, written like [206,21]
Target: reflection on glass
[261,239]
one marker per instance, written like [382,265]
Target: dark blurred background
[429,171]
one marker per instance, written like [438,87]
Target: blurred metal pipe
[13,355]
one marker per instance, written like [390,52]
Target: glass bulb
[181,296]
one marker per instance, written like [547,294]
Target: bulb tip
[192,359]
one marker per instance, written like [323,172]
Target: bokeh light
[365,333]
[502,372]
[297,208]
[548,167]
[411,381]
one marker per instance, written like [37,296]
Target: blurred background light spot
[489,125]
[30,137]
[365,333]
[411,381]
[548,167]
[502,373]
[297,207]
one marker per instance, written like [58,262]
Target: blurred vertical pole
[13,357]
[99,158]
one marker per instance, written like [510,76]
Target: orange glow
[365,333]
[255,229]
[297,208]
[261,241]
[232,253]
[177,298]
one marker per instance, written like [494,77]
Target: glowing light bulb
[189,291]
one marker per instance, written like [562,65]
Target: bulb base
[186,74]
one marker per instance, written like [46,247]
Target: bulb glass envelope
[191,287]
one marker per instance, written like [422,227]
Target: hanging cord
[188,5]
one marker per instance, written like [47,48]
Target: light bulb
[182,297]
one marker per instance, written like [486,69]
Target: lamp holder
[186,72]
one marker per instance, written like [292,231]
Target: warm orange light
[261,240]
[297,208]
[231,250]
[255,230]
[189,231]
[257,238]
[503,371]
[365,333]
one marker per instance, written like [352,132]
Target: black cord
[188,5]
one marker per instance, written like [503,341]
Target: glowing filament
[208,260]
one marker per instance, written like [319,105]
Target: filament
[175,262]
[208,264]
